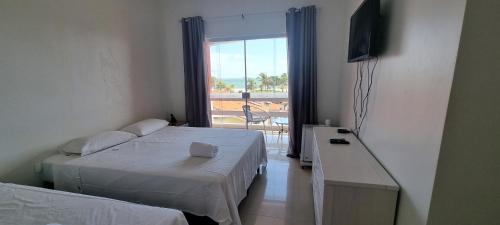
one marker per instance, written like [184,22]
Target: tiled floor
[282,194]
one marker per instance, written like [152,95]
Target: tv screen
[363,31]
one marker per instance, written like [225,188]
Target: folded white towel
[199,149]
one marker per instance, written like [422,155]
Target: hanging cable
[355,99]
[363,109]
[366,97]
[360,90]
[354,94]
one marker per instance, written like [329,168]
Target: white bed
[157,170]
[48,164]
[36,206]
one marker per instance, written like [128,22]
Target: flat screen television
[363,33]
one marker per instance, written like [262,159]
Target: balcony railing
[227,109]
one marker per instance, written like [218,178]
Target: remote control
[343,131]
[341,141]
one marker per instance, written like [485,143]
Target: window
[258,67]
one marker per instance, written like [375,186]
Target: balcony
[227,109]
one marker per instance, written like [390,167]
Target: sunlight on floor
[277,146]
[282,194]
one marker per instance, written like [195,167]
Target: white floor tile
[282,195]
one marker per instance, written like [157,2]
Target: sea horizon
[239,83]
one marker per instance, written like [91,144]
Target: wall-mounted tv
[363,33]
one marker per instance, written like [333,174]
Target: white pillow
[146,127]
[98,142]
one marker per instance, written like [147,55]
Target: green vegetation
[251,84]
[217,84]
[275,81]
[283,82]
[229,88]
[265,82]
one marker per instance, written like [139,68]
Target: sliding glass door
[227,82]
[267,80]
[257,67]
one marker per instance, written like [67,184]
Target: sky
[263,56]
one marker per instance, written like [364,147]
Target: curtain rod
[245,14]
[242,16]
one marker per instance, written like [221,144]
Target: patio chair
[255,118]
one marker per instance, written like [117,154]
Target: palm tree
[251,84]
[283,82]
[230,88]
[265,81]
[220,85]
[275,81]
[212,82]
[262,77]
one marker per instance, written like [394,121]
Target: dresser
[307,144]
[350,187]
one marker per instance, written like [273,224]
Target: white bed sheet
[157,170]
[47,174]
[36,206]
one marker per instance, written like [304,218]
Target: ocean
[239,84]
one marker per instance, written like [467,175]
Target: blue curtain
[195,80]
[302,70]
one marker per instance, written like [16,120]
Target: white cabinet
[306,156]
[307,145]
[350,187]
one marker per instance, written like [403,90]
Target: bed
[30,205]
[48,164]
[157,170]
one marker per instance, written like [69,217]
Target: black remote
[341,141]
[343,131]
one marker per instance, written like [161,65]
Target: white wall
[467,186]
[70,68]
[330,25]
[411,89]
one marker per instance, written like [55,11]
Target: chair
[255,118]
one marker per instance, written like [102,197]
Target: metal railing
[224,108]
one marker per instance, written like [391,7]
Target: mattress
[36,206]
[47,174]
[157,170]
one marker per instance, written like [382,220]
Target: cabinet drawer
[318,186]
[318,205]
[307,142]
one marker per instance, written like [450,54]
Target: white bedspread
[48,164]
[36,206]
[157,170]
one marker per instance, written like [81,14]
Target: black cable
[355,100]
[361,86]
[370,81]
[362,76]
[358,93]
[360,97]
[363,99]
[367,97]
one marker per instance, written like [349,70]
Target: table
[281,122]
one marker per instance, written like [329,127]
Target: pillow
[99,142]
[146,127]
